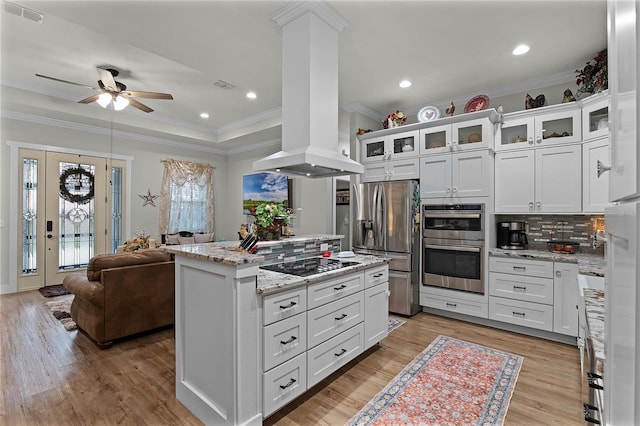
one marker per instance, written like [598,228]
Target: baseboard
[7,289]
[542,334]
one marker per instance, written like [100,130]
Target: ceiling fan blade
[107,80]
[65,81]
[89,99]
[149,95]
[139,105]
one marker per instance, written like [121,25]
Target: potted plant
[594,77]
[270,218]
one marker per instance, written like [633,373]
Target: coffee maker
[512,235]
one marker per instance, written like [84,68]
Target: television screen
[265,188]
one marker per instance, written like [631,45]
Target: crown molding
[54,122]
[275,113]
[364,110]
[253,147]
[296,9]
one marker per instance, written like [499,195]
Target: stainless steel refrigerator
[385,224]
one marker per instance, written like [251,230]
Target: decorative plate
[477,103]
[428,113]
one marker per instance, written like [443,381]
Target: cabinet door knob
[448,190]
[558,273]
[538,204]
[539,139]
[602,168]
[530,141]
[455,189]
[531,204]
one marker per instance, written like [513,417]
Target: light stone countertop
[594,305]
[588,264]
[270,282]
[223,252]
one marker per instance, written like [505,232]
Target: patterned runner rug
[61,309]
[452,382]
[394,322]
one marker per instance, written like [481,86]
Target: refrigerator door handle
[375,213]
[383,221]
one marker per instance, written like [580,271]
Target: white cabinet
[546,126]
[595,186]
[459,136]
[534,293]
[464,174]
[408,168]
[544,180]
[595,116]
[309,332]
[389,146]
[565,298]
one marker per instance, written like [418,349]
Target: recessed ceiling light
[251,95]
[204,115]
[405,84]
[520,49]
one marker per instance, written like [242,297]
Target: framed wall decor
[265,188]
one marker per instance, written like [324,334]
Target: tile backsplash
[575,228]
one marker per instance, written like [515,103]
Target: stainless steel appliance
[306,267]
[385,224]
[453,246]
[512,235]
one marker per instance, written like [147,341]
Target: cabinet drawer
[284,383]
[337,288]
[454,305]
[534,315]
[376,276]
[284,339]
[326,358]
[333,318]
[521,287]
[532,268]
[284,305]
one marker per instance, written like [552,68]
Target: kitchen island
[249,341]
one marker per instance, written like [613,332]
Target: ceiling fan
[115,91]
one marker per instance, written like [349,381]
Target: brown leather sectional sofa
[123,294]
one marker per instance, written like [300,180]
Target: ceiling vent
[309,93]
[24,12]
[223,84]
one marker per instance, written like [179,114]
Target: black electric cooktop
[306,267]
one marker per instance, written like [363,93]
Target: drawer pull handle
[290,305]
[519,268]
[519,287]
[452,305]
[341,317]
[291,340]
[378,275]
[520,314]
[342,352]
[342,287]
[594,385]
[291,382]
[592,375]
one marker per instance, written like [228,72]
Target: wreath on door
[72,178]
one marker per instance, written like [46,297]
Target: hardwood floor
[50,376]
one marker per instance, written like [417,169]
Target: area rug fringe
[61,309]
[451,382]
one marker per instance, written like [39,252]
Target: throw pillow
[203,238]
[186,240]
[171,239]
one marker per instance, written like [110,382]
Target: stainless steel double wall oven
[453,246]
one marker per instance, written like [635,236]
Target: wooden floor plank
[52,376]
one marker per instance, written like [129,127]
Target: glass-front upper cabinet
[457,136]
[546,126]
[595,116]
[389,147]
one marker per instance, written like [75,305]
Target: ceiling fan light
[120,103]
[104,99]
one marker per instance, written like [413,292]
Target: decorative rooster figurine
[451,109]
[530,103]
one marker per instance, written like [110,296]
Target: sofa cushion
[172,239]
[186,240]
[203,238]
[114,260]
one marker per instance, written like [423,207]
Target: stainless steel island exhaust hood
[309,93]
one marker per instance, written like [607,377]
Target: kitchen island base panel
[218,327]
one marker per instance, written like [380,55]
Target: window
[186,199]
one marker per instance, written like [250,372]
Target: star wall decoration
[148,199]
